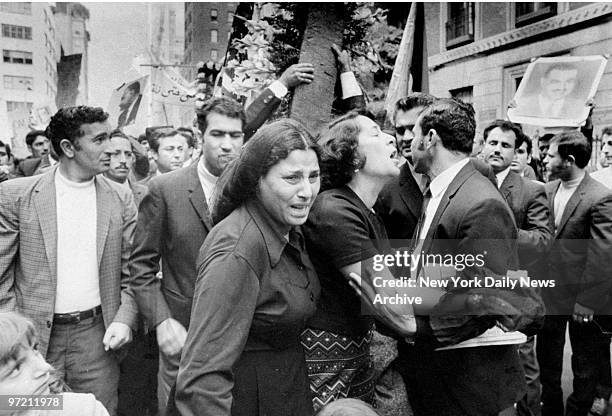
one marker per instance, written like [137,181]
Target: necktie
[419,227]
[122,118]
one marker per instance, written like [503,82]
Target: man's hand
[343,58]
[116,336]
[297,74]
[582,314]
[171,336]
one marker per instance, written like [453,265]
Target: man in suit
[129,104]
[527,200]
[553,100]
[173,222]
[66,241]
[461,208]
[123,156]
[399,203]
[579,259]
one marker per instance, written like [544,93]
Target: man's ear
[571,159]
[431,138]
[68,148]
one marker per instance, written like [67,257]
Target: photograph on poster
[556,91]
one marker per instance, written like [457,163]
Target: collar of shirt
[441,182]
[274,241]
[573,183]
[207,180]
[548,105]
[501,176]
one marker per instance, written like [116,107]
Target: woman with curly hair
[343,235]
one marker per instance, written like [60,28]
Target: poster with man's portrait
[126,108]
[555,92]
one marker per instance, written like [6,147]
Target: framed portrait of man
[556,91]
[126,109]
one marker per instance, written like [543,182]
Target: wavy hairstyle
[340,157]
[271,144]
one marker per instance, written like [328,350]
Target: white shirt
[604,176]
[207,180]
[563,195]
[438,186]
[501,176]
[78,287]
[550,108]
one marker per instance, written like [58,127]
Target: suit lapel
[410,191]
[197,197]
[508,185]
[452,189]
[103,208]
[46,211]
[572,204]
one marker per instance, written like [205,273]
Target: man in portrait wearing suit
[129,104]
[579,260]
[461,209]
[64,251]
[553,100]
[528,202]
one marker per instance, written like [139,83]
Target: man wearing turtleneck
[578,263]
[66,238]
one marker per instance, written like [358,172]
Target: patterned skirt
[338,366]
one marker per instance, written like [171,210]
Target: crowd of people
[226,269]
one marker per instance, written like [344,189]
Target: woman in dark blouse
[256,286]
[343,233]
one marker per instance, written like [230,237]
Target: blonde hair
[347,407]
[16,333]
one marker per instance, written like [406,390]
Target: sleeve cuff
[350,87]
[278,89]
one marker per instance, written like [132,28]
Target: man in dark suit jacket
[579,260]
[527,200]
[463,208]
[399,203]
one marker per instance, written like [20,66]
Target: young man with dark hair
[605,175]
[528,202]
[461,208]
[38,144]
[6,159]
[173,223]
[66,267]
[168,147]
[579,259]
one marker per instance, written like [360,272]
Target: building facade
[479,51]
[208,27]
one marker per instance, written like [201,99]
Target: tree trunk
[312,103]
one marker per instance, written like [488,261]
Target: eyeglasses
[402,129]
[217,134]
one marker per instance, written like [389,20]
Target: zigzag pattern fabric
[338,366]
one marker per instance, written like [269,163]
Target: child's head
[23,370]
[347,407]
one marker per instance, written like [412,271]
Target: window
[214,36]
[18,105]
[465,94]
[460,24]
[526,12]
[17,32]
[18,83]
[214,55]
[213,15]
[16,7]
[17,57]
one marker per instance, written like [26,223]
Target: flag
[410,72]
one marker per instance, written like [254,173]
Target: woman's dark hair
[339,155]
[271,144]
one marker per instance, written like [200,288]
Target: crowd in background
[222,269]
